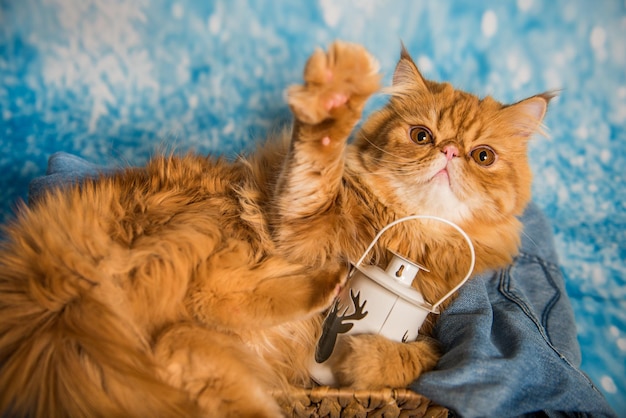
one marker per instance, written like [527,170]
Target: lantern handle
[435,307]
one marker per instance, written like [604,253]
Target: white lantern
[377,301]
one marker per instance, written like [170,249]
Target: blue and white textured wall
[115,80]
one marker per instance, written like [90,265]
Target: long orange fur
[194,286]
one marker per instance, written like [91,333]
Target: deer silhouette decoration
[335,324]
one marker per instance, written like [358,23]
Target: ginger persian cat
[195,286]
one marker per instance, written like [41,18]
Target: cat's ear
[526,116]
[407,77]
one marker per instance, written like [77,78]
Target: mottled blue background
[115,80]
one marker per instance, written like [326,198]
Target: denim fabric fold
[509,341]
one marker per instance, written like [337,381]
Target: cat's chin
[434,198]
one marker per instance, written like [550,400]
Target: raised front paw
[340,79]
[374,362]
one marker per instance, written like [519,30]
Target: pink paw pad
[336,100]
[326,141]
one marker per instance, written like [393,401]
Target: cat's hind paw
[334,81]
[374,362]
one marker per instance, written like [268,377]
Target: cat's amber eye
[484,155]
[420,135]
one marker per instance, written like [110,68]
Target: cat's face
[444,152]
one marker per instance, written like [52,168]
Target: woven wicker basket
[324,401]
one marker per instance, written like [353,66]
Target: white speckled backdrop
[115,80]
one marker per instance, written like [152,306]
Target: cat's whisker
[396,157]
[394,167]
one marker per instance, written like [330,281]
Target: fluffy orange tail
[63,351]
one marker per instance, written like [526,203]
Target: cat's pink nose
[451,151]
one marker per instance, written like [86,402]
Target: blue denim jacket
[509,341]
[509,338]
